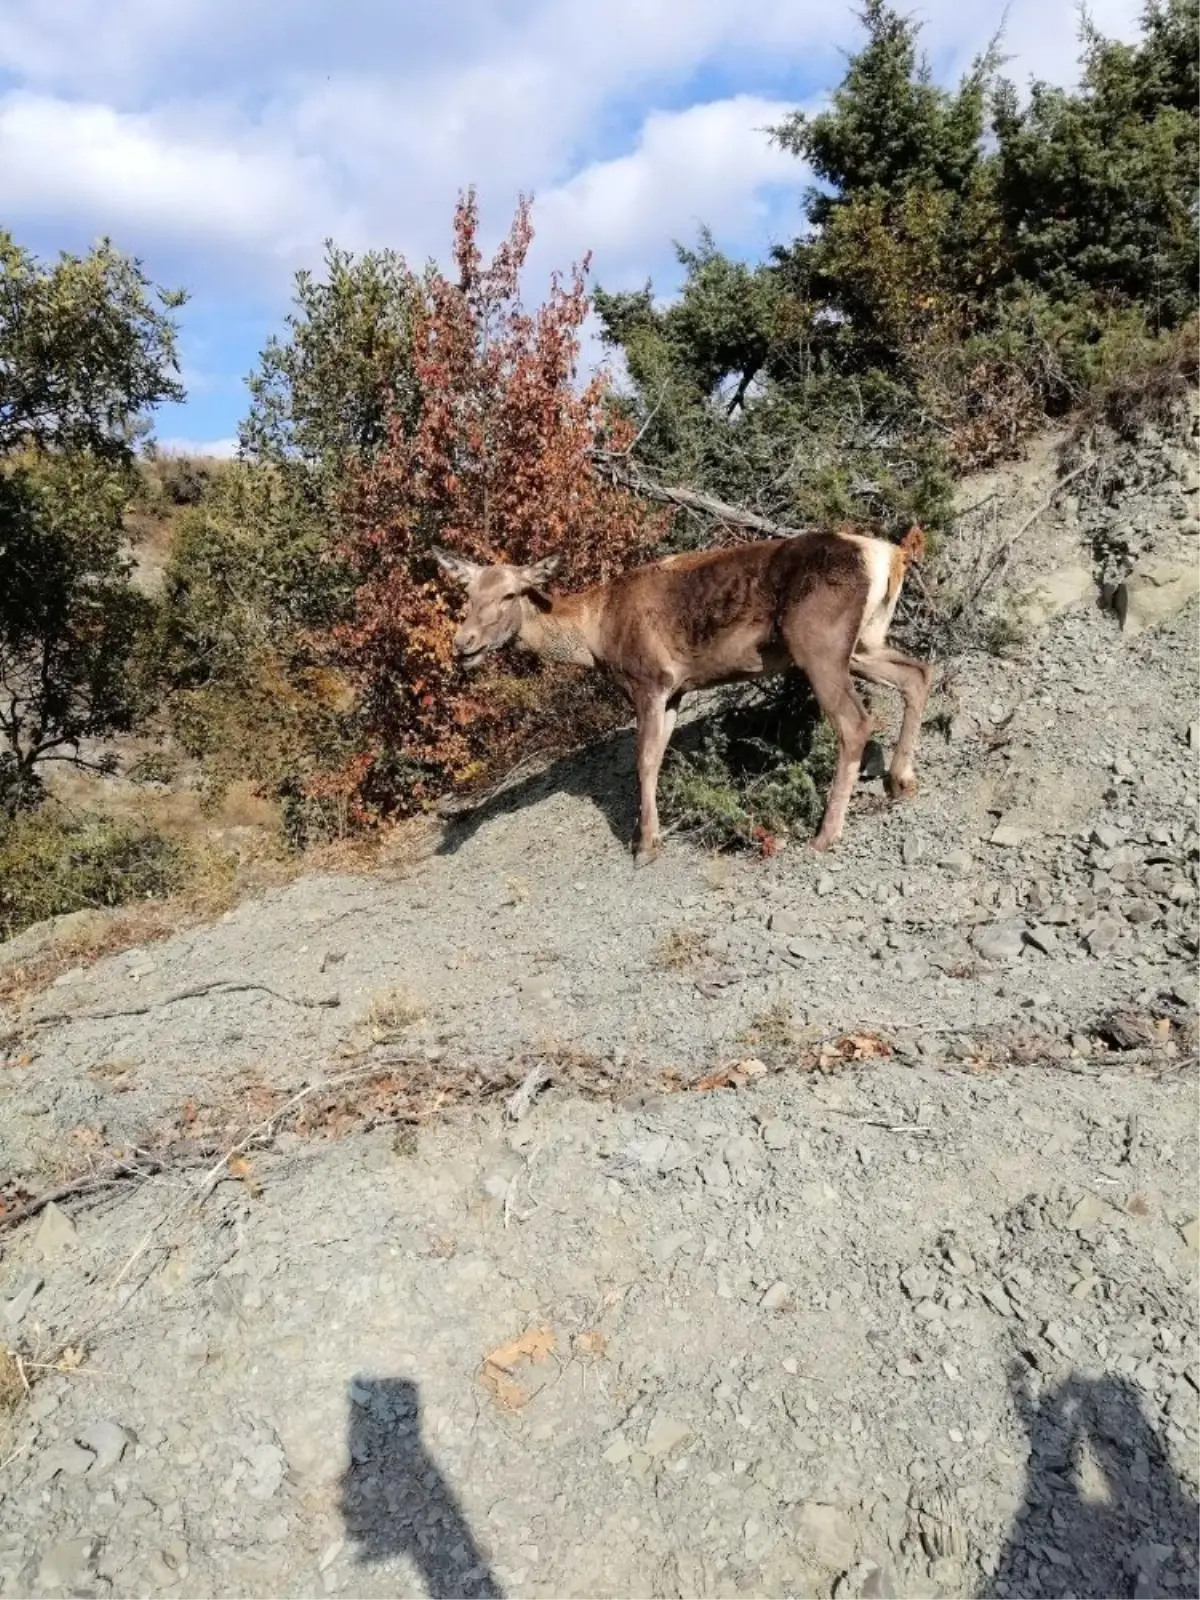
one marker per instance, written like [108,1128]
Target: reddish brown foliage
[497,467]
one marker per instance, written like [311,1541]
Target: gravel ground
[923,1324]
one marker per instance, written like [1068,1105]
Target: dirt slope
[922,1324]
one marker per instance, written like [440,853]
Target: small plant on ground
[772,1030]
[52,862]
[392,1012]
[681,948]
[760,772]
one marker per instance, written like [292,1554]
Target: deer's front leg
[654,724]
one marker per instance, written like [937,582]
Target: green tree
[87,350]
[323,394]
[71,623]
[1099,187]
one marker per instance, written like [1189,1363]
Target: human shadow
[394,1500]
[1105,1514]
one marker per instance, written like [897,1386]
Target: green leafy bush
[52,862]
[758,773]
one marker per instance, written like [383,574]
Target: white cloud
[709,164]
[222,449]
[151,176]
[223,140]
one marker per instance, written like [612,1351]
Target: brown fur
[819,601]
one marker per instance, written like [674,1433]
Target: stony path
[916,1318]
[922,1323]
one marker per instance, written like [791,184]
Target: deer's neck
[564,634]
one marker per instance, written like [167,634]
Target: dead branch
[87,1183]
[1005,550]
[192,992]
[620,470]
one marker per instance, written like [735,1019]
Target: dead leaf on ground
[239,1167]
[593,1343]
[730,1077]
[534,1345]
[834,1053]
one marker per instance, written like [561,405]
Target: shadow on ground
[603,774]
[1105,1514]
[779,716]
[394,1500]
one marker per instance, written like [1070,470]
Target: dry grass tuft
[391,1012]
[680,949]
[14,1385]
[773,1030]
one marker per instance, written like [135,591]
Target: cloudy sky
[223,140]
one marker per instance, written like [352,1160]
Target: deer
[819,601]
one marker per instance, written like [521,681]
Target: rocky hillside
[850,1245]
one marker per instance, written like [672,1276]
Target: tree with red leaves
[498,467]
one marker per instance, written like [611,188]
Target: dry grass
[220,878]
[391,1013]
[773,1030]
[680,949]
[14,1385]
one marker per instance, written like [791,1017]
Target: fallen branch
[1005,550]
[621,471]
[193,992]
[87,1183]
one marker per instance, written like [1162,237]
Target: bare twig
[535,1080]
[1005,550]
[192,992]
[86,1183]
[621,471]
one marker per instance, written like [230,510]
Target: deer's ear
[540,572]
[455,566]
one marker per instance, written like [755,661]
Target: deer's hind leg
[821,647]
[912,679]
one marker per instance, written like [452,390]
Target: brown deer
[822,602]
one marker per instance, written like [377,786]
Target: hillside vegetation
[969,263]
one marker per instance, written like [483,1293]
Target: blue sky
[223,140]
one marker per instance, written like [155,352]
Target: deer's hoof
[643,855]
[821,843]
[900,788]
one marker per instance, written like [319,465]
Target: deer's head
[494,594]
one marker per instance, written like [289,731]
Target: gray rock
[1008,834]
[715,1174]
[777,1297]
[665,1433]
[957,861]
[827,1531]
[1156,589]
[1106,836]
[67,1564]
[786,924]
[1042,938]
[16,1307]
[1057,592]
[999,941]
[56,1233]
[866,1580]
[1103,936]
[107,1441]
[776,1134]
[71,1460]
[918,1282]
[911,849]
